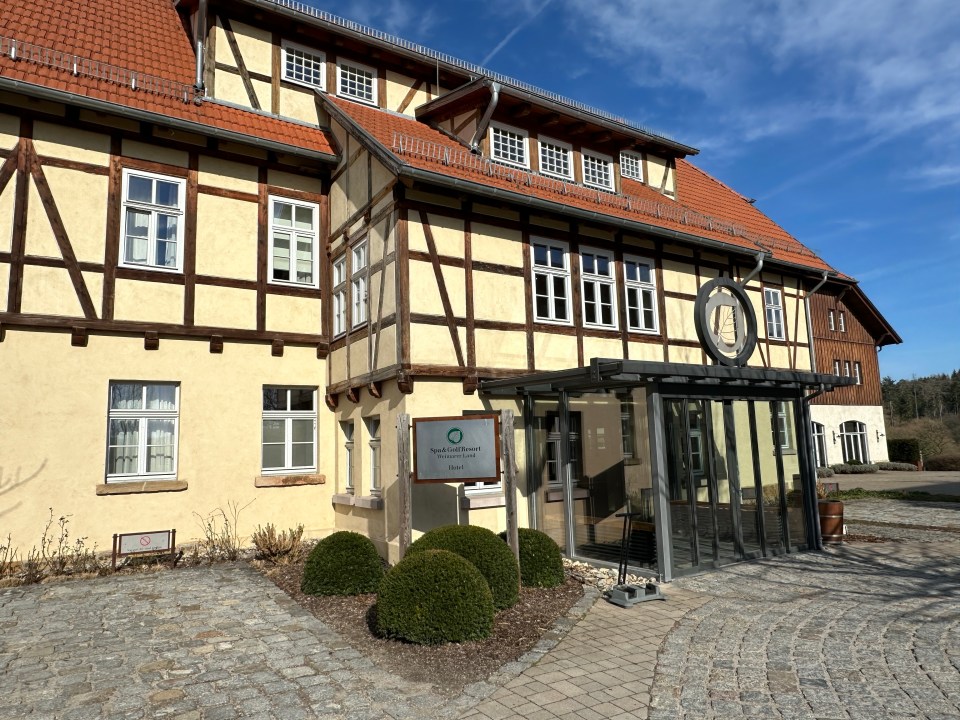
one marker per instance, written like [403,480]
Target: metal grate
[464,65]
[465,160]
[85,67]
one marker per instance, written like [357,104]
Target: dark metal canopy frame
[670,381]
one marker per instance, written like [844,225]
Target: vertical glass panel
[540,255]
[589,266]
[547,478]
[750,501]
[301,398]
[603,265]
[272,457]
[274,398]
[160,445]
[302,431]
[770,494]
[281,256]
[680,486]
[168,194]
[304,218]
[302,455]
[124,447]
[791,473]
[282,214]
[139,189]
[556,257]
[138,229]
[725,486]
[161,397]
[274,431]
[126,396]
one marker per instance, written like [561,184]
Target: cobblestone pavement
[863,631]
[212,642]
[903,512]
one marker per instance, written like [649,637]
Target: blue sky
[841,117]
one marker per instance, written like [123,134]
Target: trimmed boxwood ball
[485,550]
[345,563]
[541,562]
[432,597]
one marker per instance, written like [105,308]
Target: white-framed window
[853,441]
[598,286]
[152,221]
[551,281]
[784,428]
[356,81]
[294,241]
[340,295]
[631,166]
[597,170]
[555,158]
[373,433]
[773,304]
[843,321]
[509,145]
[358,283]
[289,430]
[820,444]
[641,289]
[832,320]
[846,368]
[303,65]
[836,367]
[142,428]
[346,427]
[858,372]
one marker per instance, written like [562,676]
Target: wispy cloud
[406,18]
[510,35]
[935,176]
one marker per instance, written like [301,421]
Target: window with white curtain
[551,281]
[152,221]
[598,287]
[289,430]
[293,242]
[641,290]
[142,431]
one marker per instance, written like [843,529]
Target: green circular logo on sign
[455,435]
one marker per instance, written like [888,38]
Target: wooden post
[403,480]
[508,448]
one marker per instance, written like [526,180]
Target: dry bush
[221,540]
[8,558]
[281,548]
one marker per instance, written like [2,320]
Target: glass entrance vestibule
[685,467]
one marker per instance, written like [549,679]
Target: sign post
[510,480]
[403,482]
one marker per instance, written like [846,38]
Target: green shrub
[345,563]
[432,597]
[485,550]
[854,461]
[541,562]
[896,466]
[854,469]
[942,462]
[824,472]
[905,450]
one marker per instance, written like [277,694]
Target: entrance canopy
[606,374]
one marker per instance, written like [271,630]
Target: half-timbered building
[239,238]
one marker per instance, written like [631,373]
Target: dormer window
[555,158]
[509,145]
[631,166]
[597,171]
[302,65]
[357,82]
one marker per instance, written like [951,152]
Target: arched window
[819,444]
[853,440]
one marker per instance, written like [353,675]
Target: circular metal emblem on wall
[725,321]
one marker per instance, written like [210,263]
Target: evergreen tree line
[926,408]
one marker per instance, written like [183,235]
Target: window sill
[370,502]
[479,502]
[262,481]
[141,486]
[343,499]
[557,495]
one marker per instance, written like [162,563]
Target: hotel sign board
[456,449]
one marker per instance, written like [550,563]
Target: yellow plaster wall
[72,144]
[653,172]
[420,196]
[49,291]
[554,352]
[150,302]
[679,277]
[256,46]
[229,86]
[339,210]
[425,293]
[293,314]
[83,213]
[381,176]
[779,357]
[499,297]
[226,237]
[501,348]
[155,153]
[645,351]
[690,355]
[39,238]
[680,319]
[601,348]
[283,179]
[4,281]
[397,88]
[227,174]
[219,436]
[298,103]
[431,345]
[356,179]
[9,130]
[359,357]
[337,361]
[225,307]
[387,354]
[493,244]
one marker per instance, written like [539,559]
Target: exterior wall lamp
[879,435]
[834,436]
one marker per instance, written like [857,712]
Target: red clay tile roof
[704,206]
[143,36]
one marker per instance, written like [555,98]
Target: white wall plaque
[457,449]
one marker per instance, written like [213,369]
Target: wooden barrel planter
[831,521]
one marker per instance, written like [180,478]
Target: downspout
[485,120]
[199,36]
[806,307]
[753,273]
